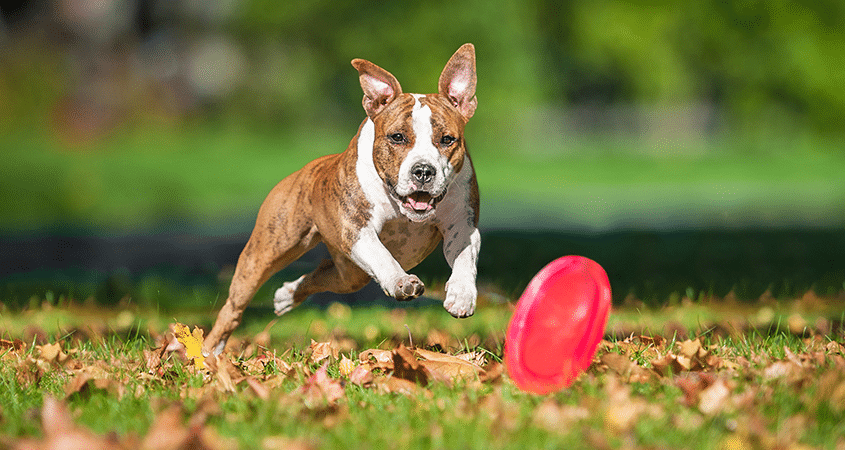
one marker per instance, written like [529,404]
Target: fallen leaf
[346,366]
[617,362]
[656,341]
[260,390]
[447,368]
[60,433]
[167,431]
[492,373]
[394,385]
[277,442]
[322,350]
[406,366]
[361,376]
[556,418]
[714,397]
[192,343]
[88,378]
[377,358]
[16,345]
[225,374]
[152,358]
[52,353]
[781,369]
[320,388]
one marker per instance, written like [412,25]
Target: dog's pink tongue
[419,206]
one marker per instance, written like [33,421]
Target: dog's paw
[283,300]
[408,287]
[460,299]
[212,346]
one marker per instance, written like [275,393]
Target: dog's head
[419,139]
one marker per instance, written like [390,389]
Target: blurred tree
[764,66]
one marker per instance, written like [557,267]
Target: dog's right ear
[380,86]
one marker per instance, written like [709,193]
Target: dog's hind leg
[338,275]
[255,266]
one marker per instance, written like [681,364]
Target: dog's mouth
[418,205]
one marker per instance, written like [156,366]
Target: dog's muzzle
[418,205]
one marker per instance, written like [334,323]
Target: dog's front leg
[375,259]
[461,245]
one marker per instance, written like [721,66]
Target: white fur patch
[368,252]
[423,152]
[283,300]
[384,208]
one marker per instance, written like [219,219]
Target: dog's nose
[423,173]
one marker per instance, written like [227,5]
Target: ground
[698,374]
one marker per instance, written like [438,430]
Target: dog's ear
[380,86]
[457,82]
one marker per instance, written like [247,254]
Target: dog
[405,182]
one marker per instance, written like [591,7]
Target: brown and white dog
[404,183]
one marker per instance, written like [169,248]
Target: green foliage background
[770,65]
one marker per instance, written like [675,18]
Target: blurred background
[694,149]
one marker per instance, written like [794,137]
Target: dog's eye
[447,140]
[397,138]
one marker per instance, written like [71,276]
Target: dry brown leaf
[16,345]
[441,339]
[322,350]
[449,372]
[260,390]
[429,355]
[556,418]
[477,358]
[226,374]
[692,383]
[394,385]
[52,353]
[492,373]
[447,368]
[623,366]
[283,442]
[167,431]
[86,381]
[152,358]
[690,348]
[617,363]
[60,433]
[320,389]
[713,399]
[656,341]
[406,366]
[361,376]
[377,358]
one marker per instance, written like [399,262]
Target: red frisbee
[557,325]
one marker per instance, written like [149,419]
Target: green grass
[798,408]
[148,178]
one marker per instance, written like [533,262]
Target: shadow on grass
[185,269]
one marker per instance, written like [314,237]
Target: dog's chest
[409,242]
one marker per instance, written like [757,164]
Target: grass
[149,178]
[781,386]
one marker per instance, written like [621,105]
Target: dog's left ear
[457,82]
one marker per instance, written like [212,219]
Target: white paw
[283,300]
[218,349]
[408,287]
[460,298]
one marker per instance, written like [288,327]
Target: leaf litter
[689,383]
